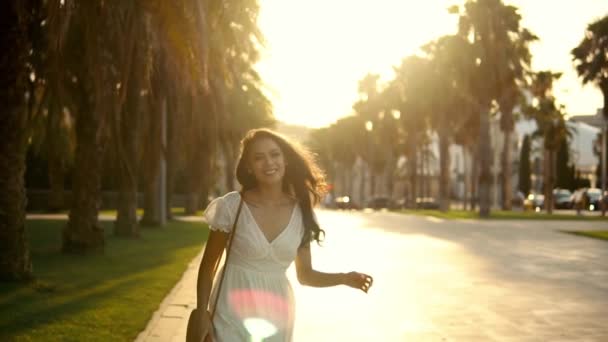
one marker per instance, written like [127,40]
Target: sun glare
[317,50]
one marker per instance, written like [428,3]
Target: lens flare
[259,328]
[263,313]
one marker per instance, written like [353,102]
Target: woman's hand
[358,281]
[206,327]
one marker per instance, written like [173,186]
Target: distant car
[534,202]
[381,203]
[562,199]
[594,197]
[426,203]
[344,202]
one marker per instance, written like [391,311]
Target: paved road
[441,280]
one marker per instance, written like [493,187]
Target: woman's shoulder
[231,198]
[232,195]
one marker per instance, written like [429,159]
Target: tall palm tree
[368,108]
[415,101]
[492,28]
[16,17]
[102,94]
[518,60]
[591,58]
[551,127]
[451,66]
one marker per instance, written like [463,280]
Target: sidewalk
[169,322]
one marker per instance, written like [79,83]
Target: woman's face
[266,161]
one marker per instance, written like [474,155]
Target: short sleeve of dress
[218,215]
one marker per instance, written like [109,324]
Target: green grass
[174,211]
[103,296]
[501,215]
[596,234]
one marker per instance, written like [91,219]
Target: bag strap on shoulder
[228,248]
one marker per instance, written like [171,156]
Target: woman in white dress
[281,183]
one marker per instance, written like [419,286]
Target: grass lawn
[175,211]
[596,234]
[501,215]
[105,296]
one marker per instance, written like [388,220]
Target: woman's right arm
[206,272]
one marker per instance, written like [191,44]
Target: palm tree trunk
[390,175]
[506,171]
[465,173]
[474,180]
[413,164]
[362,185]
[349,180]
[126,220]
[152,149]
[83,232]
[444,172]
[55,158]
[15,262]
[549,180]
[485,158]
[172,161]
[372,183]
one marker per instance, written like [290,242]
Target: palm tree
[591,61]
[518,61]
[415,97]
[451,65]
[102,93]
[343,136]
[368,109]
[551,127]
[17,17]
[493,29]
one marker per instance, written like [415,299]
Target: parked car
[344,202]
[381,203]
[594,196]
[534,202]
[427,203]
[562,199]
[588,199]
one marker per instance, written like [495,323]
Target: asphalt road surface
[463,280]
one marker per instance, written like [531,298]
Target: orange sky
[317,50]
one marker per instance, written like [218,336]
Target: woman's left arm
[310,277]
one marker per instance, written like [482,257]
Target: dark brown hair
[303,178]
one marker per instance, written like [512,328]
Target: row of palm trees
[121,85]
[452,87]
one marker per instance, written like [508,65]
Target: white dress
[256,300]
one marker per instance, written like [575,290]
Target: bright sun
[317,50]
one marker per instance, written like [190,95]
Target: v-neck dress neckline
[259,229]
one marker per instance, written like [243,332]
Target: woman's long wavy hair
[303,178]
